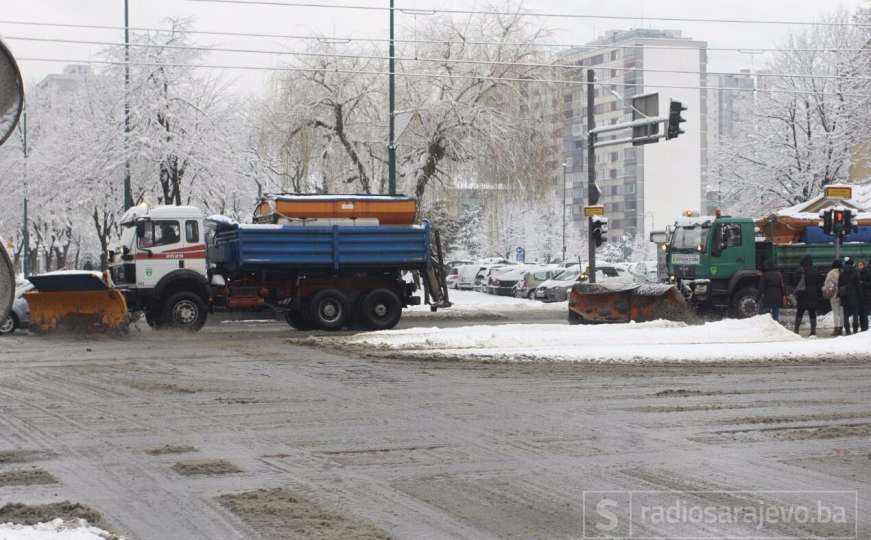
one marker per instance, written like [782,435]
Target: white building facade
[644,188]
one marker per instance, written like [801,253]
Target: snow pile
[759,338]
[468,304]
[56,529]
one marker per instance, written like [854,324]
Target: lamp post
[391,143]
[565,191]
[26,231]
[128,189]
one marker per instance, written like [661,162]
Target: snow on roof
[861,201]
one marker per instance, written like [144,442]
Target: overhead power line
[430,60]
[350,39]
[443,76]
[533,14]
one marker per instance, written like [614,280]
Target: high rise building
[644,188]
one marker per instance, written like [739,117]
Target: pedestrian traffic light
[600,230]
[839,222]
[675,119]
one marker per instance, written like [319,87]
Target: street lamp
[565,191]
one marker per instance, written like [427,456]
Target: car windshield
[568,275]
[690,237]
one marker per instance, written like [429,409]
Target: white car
[465,279]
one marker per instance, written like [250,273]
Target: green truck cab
[716,261]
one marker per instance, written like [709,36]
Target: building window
[629,188]
[613,73]
[615,156]
[613,55]
[612,174]
[596,60]
[615,190]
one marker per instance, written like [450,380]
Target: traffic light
[827,222]
[839,222]
[600,230]
[675,119]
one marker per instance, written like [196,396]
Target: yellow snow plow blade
[595,304]
[75,301]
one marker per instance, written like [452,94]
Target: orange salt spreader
[372,209]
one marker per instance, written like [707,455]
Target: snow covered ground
[472,304]
[57,529]
[759,338]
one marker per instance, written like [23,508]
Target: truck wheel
[745,303]
[380,310]
[184,311]
[153,320]
[9,325]
[299,321]
[329,309]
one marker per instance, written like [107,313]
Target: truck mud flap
[597,304]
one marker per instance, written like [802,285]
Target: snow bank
[57,529]
[759,338]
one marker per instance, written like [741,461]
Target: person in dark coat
[772,290]
[850,291]
[865,276]
[808,291]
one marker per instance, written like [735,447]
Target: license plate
[686,258]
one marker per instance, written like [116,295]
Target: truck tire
[299,321]
[8,325]
[184,311]
[153,319]
[380,310]
[745,303]
[329,309]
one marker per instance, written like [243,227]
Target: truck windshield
[689,237]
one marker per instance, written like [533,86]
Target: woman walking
[830,293]
[807,292]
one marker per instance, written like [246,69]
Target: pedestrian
[865,276]
[772,290]
[807,292]
[830,293]
[850,293]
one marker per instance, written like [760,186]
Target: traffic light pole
[592,191]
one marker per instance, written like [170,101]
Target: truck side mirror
[140,229]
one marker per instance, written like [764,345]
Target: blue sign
[521,255]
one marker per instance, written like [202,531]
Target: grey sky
[331,22]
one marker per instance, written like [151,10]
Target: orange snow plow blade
[77,302]
[596,304]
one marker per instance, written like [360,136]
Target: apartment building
[643,187]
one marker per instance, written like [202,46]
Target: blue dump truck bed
[251,248]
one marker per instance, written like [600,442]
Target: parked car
[482,278]
[503,283]
[19,317]
[466,276]
[531,279]
[556,289]
[452,280]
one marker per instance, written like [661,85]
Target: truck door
[167,245]
[731,250]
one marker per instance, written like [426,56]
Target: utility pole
[26,231]
[564,213]
[391,143]
[128,189]
[592,190]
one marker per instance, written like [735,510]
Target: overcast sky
[332,22]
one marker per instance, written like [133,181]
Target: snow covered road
[759,338]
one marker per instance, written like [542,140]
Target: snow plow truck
[318,262]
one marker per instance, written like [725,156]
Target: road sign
[841,193]
[645,106]
[520,254]
[593,211]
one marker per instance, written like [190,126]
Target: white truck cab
[161,255]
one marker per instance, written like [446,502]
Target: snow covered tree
[800,130]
